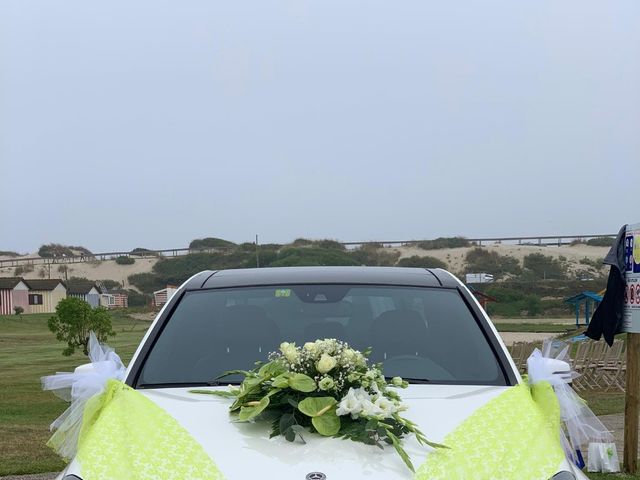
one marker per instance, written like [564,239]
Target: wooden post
[632,404]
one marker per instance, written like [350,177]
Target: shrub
[146,282]
[18,310]
[324,243]
[124,260]
[8,253]
[543,267]
[513,303]
[330,244]
[74,319]
[302,242]
[597,264]
[421,262]
[312,256]
[110,284]
[57,250]
[210,242]
[137,299]
[485,261]
[22,269]
[443,242]
[601,241]
[374,255]
[143,252]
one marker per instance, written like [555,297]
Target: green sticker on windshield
[283,292]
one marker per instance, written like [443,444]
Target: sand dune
[453,257]
[106,270]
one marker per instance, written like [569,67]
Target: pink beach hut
[14,292]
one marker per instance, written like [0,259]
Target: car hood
[244,450]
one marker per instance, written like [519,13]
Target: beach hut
[107,300]
[44,295]
[591,300]
[120,298]
[86,291]
[114,299]
[14,292]
[163,296]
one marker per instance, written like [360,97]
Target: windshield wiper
[416,381]
[173,385]
[212,383]
[220,383]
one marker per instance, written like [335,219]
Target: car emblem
[316,476]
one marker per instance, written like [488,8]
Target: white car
[422,324]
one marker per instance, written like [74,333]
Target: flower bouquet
[324,387]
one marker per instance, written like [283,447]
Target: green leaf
[247,412]
[281,381]
[371,425]
[286,421]
[302,383]
[314,406]
[271,369]
[290,435]
[403,455]
[327,424]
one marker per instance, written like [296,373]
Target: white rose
[289,351]
[311,347]
[326,363]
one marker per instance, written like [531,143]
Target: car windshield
[424,334]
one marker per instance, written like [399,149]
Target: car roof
[421,277]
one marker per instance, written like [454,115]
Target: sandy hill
[105,270]
[453,257]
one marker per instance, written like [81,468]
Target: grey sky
[150,123]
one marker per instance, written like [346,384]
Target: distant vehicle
[479,278]
[423,325]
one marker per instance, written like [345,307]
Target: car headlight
[563,476]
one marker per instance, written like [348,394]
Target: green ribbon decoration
[126,435]
[515,436]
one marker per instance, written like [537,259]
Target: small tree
[73,321]
[18,311]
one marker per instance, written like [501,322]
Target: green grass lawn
[29,351]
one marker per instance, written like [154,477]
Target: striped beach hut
[86,291]
[44,295]
[14,292]
[115,299]
[161,297]
[120,298]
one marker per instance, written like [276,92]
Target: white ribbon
[581,426]
[78,387]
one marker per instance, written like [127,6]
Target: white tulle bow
[581,426]
[78,387]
